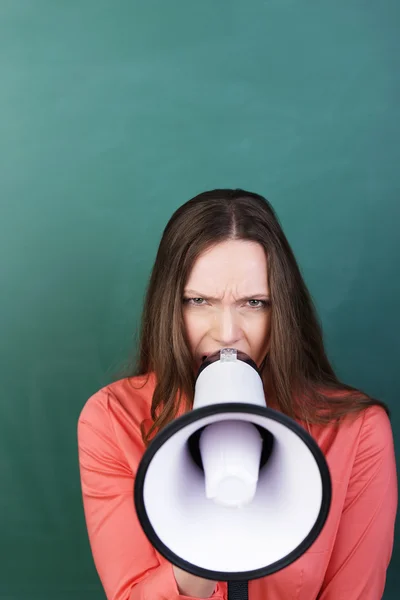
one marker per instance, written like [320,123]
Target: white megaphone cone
[232,490]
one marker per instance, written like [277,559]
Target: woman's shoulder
[376,429]
[364,415]
[365,434]
[127,399]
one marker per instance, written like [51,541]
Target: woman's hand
[191,585]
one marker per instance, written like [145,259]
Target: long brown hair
[297,372]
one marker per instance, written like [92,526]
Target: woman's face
[226,301]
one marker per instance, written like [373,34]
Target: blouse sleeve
[125,560]
[364,541]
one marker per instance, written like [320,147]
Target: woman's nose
[227,328]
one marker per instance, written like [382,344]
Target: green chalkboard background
[112,114]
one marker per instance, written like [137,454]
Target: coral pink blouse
[348,561]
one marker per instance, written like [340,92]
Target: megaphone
[232,490]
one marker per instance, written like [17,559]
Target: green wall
[112,114]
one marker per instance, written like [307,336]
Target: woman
[225,276]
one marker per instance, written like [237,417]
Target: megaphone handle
[238,590]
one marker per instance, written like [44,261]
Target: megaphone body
[232,490]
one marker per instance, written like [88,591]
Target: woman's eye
[260,303]
[200,301]
[195,301]
[252,303]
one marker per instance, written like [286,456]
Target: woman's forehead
[234,264]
